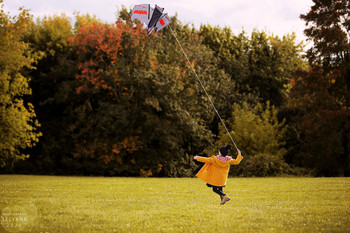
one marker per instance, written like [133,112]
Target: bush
[259,134]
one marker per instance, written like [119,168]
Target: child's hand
[195,157]
[239,152]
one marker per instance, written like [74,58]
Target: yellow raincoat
[215,171]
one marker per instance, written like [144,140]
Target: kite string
[217,113]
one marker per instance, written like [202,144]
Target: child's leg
[219,191]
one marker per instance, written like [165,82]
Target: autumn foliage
[112,101]
[98,47]
[18,123]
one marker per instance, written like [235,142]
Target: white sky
[274,16]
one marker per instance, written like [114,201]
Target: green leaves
[18,124]
[258,133]
[112,101]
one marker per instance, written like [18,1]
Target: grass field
[102,204]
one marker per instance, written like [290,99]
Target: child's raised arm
[238,159]
[202,159]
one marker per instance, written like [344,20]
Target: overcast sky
[274,16]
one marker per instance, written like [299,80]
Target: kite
[152,17]
[155,19]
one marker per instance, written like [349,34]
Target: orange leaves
[98,49]
[107,159]
[97,45]
[86,150]
[92,75]
[191,91]
[144,173]
[129,144]
[102,53]
[102,41]
[154,64]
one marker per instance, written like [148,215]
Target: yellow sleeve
[203,159]
[237,160]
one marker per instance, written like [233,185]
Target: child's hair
[224,150]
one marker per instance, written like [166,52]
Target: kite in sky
[152,17]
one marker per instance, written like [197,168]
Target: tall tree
[231,53]
[141,112]
[51,84]
[103,129]
[328,26]
[18,124]
[272,63]
[322,95]
[322,125]
[261,65]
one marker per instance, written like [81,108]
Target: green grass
[102,204]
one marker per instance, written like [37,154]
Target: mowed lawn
[111,204]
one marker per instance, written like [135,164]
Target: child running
[215,170]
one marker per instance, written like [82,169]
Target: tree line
[98,98]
